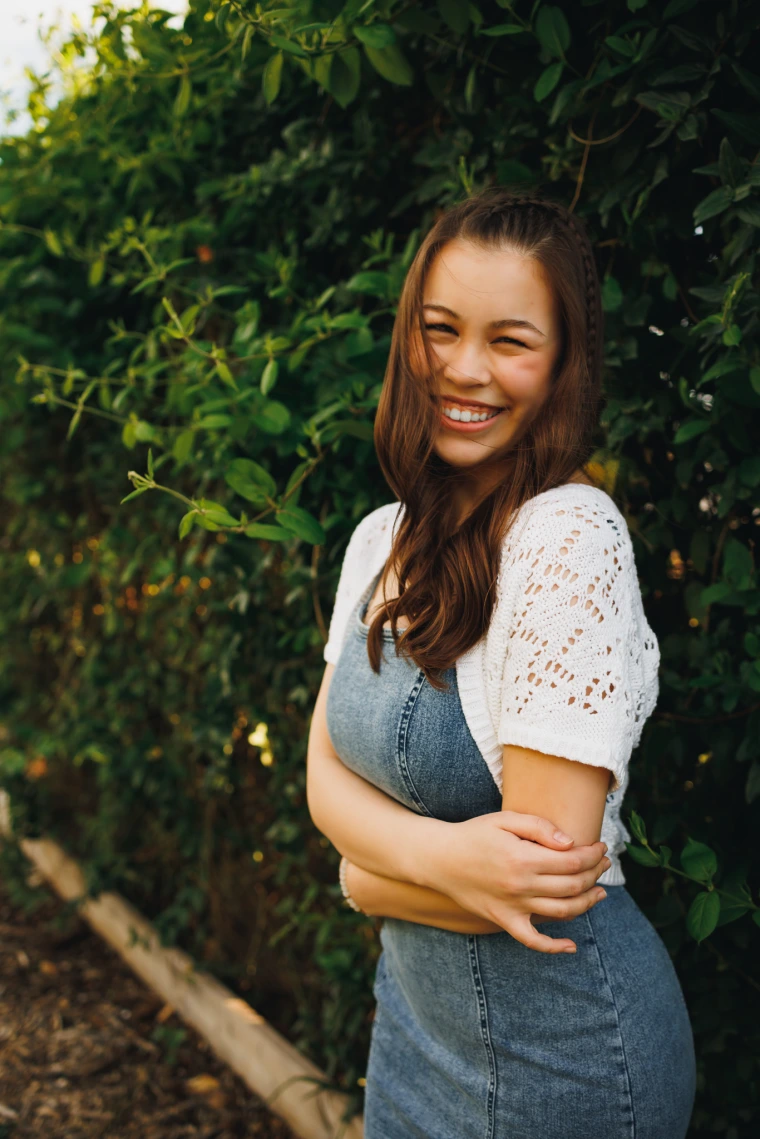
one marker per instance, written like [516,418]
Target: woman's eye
[448,328]
[510,340]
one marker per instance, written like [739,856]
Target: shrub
[201,246]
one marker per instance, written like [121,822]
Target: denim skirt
[476,1036]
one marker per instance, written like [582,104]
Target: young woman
[488,673]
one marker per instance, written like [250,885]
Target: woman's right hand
[506,866]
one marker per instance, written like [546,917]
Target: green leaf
[677,8]
[749,213]
[269,376]
[182,100]
[699,861]
[715,203]
[250,481]
[150,462]
[455,15]
[391,63]
[95,272]
[289,46]
[703,915]
[273,417]
[548,80]
[752,787]
[360,429]
[271,77]
[344,76]
[747,127]
[376,35]
[638,827]
[737,563]
[214,515]
[374,283]
[183,445]
[302,523]
[552,30]
[502,30]
[643,856]
[691,429]
[187,522]
[612,294]
[729,164]
[135,494]
[53,243]
[621,46]
[348,320]
[252,472]
[214,422]
[750,82]
[359,342]
[270,533]
[225,375]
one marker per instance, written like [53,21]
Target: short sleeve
[367,545]
[580,675]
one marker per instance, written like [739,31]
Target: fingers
[537,829]
[573,861]
[523,930]
[569,885]
[565,909]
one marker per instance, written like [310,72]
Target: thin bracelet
[344,887]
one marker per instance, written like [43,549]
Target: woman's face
[493,327]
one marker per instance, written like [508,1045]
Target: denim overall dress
[476,1036]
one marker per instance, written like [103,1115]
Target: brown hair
[446,571]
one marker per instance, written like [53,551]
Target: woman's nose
[467,360]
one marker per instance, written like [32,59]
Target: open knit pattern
[568,665]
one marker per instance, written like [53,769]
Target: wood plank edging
[239,1035]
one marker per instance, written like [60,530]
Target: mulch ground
[86,1050]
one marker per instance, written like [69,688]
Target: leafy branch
[713,904]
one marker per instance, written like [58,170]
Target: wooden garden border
[271,1067]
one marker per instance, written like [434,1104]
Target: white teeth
[466,416]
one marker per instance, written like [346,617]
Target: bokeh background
[206,216]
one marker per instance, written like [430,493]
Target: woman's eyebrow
[508,322]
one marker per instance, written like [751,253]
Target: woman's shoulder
[575,515]
[373,532]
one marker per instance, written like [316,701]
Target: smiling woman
[505,363]
[504,713]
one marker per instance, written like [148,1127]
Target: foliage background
[201,247]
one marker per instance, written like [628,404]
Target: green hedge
[201,249]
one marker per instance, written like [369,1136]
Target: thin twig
[599,141]
[582,171]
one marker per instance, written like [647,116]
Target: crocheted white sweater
[568,665]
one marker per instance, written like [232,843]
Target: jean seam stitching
[401,738]
[486,1034]
[617,1020]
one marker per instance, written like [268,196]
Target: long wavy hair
[447,569]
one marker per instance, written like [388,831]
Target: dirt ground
[88,1052]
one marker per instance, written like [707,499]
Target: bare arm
[392,850]
[571,793]
[379,896]
[369,827]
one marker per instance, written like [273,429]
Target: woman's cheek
[527,380]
